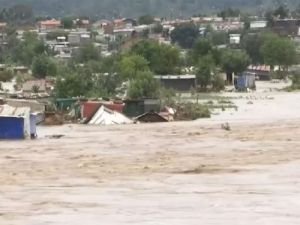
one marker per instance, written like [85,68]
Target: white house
[258,24]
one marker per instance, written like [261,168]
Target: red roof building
[49,24]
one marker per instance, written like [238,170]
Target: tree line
[129,8]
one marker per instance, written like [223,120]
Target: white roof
[105,116]
[174,77]
[6,110]
[124,30]
[258,24]
[85,36]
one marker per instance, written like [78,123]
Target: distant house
[105,26]
[74,38]
[227,25]
[82,23]
[21,70]
[287,27]
[124,23]
[181,83]
[49,24]
[79,37]
[234,39]
[85,38]
[258,24]
[130,22]
[125,32]
[119,24]
[2,26]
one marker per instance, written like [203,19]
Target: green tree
[234,62]
[185,35]
[202,48]
[296,12]
[158,28]
[35,89]
[67,23]
[144,86]
[27,50]
[163,59]
[252,44]
[131,65]
[19,15]
[110,64]
[6,75]
[87,80]
[73,82]
[205,71]
[282,12]
[146,20]
[229,12]
[218,37]
[43,66]
[279,51]
[87,53]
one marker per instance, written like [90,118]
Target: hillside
[115,8]
[125,8]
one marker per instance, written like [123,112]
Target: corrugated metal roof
[6,110]
[260,68]
[105,116]
[175,77]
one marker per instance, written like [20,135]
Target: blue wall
[11,128]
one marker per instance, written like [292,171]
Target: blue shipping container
[11,127]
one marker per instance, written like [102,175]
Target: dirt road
[176,173]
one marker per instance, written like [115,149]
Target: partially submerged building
[16,123]
[105,116]
[262,72]
[151,117]
[181,83]
[245,81]
[134,108]
[286,27]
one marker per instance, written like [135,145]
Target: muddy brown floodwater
[160,174]
[176,173]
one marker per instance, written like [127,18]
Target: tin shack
[14,122]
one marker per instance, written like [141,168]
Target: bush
[144,86]
[191,111]
[6,75]
[167,96]
[218,83]
[43,66]
[295,82]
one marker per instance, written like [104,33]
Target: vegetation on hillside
[129,8]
